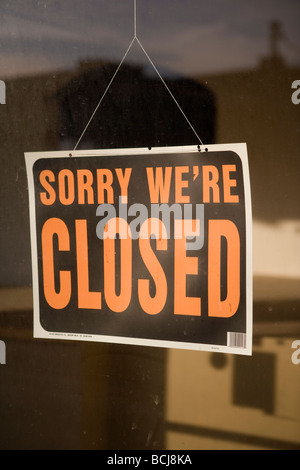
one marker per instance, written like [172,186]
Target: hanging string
[168,89]
[135,38]
[104,94]
[134,18]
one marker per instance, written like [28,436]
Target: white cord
[135,38]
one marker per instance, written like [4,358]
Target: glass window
[234,69]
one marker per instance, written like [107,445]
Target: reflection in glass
[231,67]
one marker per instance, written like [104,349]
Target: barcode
[237,340]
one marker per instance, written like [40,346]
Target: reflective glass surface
[234,68]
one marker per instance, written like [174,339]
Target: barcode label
[237,340]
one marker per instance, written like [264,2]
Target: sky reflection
[183,36]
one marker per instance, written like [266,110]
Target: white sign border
[38,331]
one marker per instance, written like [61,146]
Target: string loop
[136,39]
